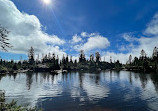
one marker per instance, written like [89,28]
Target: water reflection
[29,80]
[83,91]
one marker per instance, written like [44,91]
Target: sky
[115,28]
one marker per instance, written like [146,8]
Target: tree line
[52,62]
[144,62]
[67,63]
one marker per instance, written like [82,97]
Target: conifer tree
[4,44]
[31,55]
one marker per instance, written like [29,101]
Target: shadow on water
[84,91]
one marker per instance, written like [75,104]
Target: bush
[3,69]
[14,107]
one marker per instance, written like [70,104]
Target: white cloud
[95,91]
[77,47]
[92,90]
[146,43]
[128,37]
[115,56]
[85,34]
[128,47]
[95,41]
[123,48]
[76,39]
[152,27]
[25,31]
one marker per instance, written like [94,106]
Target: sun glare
[46,1]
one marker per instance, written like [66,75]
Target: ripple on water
[91,92]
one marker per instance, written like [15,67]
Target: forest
[51,63]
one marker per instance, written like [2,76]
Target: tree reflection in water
[104,90]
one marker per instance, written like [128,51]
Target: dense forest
[51,62]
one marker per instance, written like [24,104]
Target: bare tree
[4,44]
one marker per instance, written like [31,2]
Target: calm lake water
[76,91]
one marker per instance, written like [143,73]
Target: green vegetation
[12,106]
[144,63]
[51,62]
[9,66]
[3,38]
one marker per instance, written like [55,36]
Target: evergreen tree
[67,59]
[53,58]
[82,56]
[4,38]
[110,59]
[155,52]
[63,60]
[57,60]
[136,61]
[49,56]
[130,59]
[92,58]
[71,59]
[97,56]
[75,62]
[31,55]
[142,54]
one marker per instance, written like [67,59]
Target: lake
[81,91]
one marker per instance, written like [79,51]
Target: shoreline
[76,70]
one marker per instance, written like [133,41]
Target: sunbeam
[46,1]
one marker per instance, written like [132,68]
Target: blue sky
[120,25]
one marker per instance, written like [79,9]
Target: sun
[46,1]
